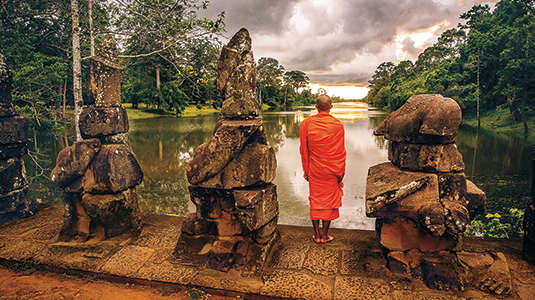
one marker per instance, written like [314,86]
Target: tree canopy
[488,61]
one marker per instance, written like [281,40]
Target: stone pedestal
[99,174]
[13,138]
[421,199]
[235,223]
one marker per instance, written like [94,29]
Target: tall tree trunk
[76,68]
[91,33]
[157,77]
[478,118]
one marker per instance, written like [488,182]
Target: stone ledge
[297,267]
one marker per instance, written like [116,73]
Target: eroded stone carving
[99,174]
[421,198]
[13,138]
[235,223]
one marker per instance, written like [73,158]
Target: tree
[268,74]
[297,79]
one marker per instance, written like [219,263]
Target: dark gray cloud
[340,41]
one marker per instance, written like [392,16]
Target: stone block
[114,169]
[103,121]
[222,255]
[72,162]
[426,158]
[10,202]
[228,140]
[208,201]
[12,175]
[391,191]
[261,206]
[116,213]
[13,130]
[12,150]
[475,198]
[255,165]
[196,226]
[423,119]
[228,225]
[236,80]
[402,234]
[266,232]
[432,216]
[104,83]
[452,186]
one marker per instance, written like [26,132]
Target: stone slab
[426,158]
[349,288]
[322,261]
[128,261]
[295,285]
[289,256]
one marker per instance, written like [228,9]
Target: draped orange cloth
[323,156]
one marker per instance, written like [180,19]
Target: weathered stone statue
[421,198]
[529,219]
[13,137]
[99,174]
[235,224]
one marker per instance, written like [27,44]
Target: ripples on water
[164,146]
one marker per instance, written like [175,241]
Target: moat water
[499,165]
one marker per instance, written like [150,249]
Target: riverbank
[499,121]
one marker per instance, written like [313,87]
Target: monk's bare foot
[317,240]
[327,239]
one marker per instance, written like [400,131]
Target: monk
[323,156]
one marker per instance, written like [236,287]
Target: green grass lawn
[143,112]
[499,121]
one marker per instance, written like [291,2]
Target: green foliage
[492,62]
[498,226]
[26,267]
[196,292]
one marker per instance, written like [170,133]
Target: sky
[340,43]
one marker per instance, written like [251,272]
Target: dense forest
[487,62]
[168,53]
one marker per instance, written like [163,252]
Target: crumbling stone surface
[421,198]
[104,88]
[12,175]
[116,213]
[103,121]
[423,119]
[236,79]
[114,169]
[13,130]
[235,223]
[73,161]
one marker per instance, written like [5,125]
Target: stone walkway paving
[350,267]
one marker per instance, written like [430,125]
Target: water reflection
[164,146]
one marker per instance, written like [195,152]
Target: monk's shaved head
[324,103]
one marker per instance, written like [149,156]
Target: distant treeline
[488,60]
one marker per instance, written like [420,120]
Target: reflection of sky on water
[363,151]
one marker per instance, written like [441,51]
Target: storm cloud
[340,41]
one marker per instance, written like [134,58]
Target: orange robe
[323,156]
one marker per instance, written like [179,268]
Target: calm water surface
[164,146]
